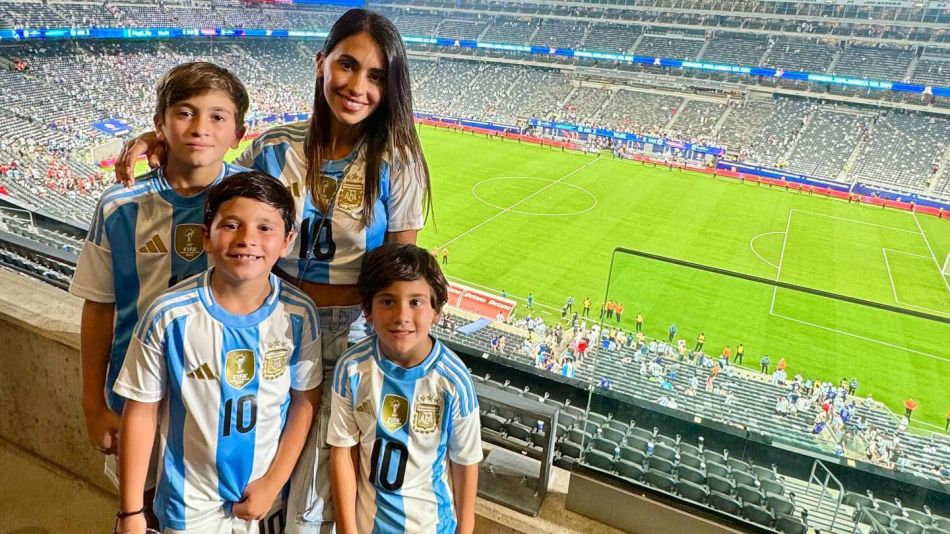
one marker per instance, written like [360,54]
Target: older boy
[145,238]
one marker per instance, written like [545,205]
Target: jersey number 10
[246,418]
[379,474]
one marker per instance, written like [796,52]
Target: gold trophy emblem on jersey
[239,368]
[395,412]
[189,241]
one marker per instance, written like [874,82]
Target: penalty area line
[858,336]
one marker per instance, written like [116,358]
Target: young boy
[403,409]
[227,363]
[154,228]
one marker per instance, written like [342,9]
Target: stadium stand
[801,55]
[827,142]
[556,33]
[745,121]
[608,38]
[636,111]
[781,130]
[877,63]
[923,143]
[671,46]
[462,28]
[696,119]
[736,50]
[505,30]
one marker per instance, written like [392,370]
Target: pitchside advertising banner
[480,302]
[112,127]
[626,136]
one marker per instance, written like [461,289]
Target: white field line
[894,289]
[815,213]
[752,246]
[516,204]
[781,258]
[835,330]
[890,277]
[904,252]
[871,340]
[932,255]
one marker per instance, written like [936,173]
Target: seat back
[790,525]
[691,491]
[723,503]
[625,468]
[659,480]
[749,494]
[660,464]
[779,505]
[720,484]
[685,472]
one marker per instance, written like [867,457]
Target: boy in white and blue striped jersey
[146,238]
[403,408]
[227,364]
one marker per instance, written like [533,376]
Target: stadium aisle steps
[820,519]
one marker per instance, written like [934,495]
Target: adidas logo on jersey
[154,246]
[366,408]
[203,372]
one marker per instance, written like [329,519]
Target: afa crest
[425,416]
[395,412]
[276,354]
[189,241]
[351,187]
[239,368]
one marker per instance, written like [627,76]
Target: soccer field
[531,219]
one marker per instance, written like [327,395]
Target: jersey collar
[232,320]
[398,372]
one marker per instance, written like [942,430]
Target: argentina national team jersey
[224,384]
[142,240]
[335,256]
[408,424]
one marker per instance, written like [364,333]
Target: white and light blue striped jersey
[224,384]
[336,255]
[142,240]
[408,423]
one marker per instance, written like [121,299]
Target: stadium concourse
[851,135]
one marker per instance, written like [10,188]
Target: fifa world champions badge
[425,416]
[239,368]
[276,354]
[189,241]
[395,412]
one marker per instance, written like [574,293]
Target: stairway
[821,510]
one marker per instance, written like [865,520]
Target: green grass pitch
[533,219]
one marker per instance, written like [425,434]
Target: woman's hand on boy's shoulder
[259,497]
[147,145]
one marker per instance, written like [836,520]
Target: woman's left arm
[406,236]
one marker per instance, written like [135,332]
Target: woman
[359,178]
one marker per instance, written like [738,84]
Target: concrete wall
[40,376]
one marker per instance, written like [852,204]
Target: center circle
[552,185]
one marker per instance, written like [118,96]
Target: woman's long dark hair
[390,129]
